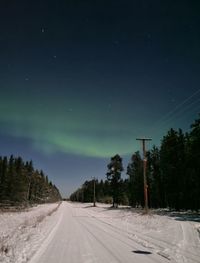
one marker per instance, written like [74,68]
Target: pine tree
[115,167]
[20,183]
[193,166]
[4,180]
[172,168]
[136,184]
[12,180]
[155,184]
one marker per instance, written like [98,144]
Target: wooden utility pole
[144,172]
[94,193]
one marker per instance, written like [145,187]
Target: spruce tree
[172,162]
[115,167]
[155,184]
[193,166]
[136,182]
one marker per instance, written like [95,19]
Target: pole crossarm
[144,139]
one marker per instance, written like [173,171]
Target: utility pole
[94,192]
[144,172]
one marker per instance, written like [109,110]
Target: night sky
[81,80]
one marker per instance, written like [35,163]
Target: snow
[173,235]
[21,233]
[80,233]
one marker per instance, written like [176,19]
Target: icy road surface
[102,235]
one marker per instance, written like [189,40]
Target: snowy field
[86,234]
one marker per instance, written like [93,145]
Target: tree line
[21,184]
[173,175]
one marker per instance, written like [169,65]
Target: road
[81,238]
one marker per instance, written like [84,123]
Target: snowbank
[21,233]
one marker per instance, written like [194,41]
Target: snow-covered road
[80,237]
[80,233]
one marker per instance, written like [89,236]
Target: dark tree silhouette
[115,167]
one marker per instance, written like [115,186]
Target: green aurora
[68,124]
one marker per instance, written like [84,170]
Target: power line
[170,115]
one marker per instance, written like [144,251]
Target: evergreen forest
[21,184]
[173,175]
